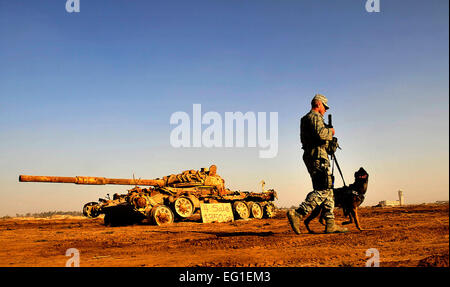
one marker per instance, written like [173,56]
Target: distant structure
[441,202]
[401,198]
[385,203]
[399,202]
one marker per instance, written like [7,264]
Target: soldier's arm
[321,130]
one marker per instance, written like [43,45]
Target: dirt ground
[404,236]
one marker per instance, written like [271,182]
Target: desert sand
[404,236]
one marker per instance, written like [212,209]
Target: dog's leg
[354,214]
[313,215]
[321,218]
[347,213]
[347,222]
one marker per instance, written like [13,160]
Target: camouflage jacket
[314,136]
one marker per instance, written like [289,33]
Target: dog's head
[361,174]
[361,179]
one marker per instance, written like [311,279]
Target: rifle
[333,156]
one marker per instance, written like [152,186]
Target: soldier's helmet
[323,99]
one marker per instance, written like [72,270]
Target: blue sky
[91,93]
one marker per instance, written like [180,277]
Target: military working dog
[348,198]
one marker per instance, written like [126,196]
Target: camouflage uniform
[314,136]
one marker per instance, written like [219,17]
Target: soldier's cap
[323,99]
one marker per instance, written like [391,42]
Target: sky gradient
[91,93]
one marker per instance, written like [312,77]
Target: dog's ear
[361,173]
[362,170]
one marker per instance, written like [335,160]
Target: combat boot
[332,227]
[294,219]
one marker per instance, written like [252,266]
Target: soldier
[314,136]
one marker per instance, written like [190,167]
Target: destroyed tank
[168,199]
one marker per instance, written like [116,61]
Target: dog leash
[333,157]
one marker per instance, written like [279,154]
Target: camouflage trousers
[322,195]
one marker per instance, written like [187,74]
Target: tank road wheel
[183,207]
[256,210]
[108,219]
[269,210]
[90,210]
[241,210]
[162,215]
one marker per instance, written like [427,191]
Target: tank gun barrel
[91,180]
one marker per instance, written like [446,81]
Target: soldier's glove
[332,146]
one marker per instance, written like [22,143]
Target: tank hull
[176,204]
